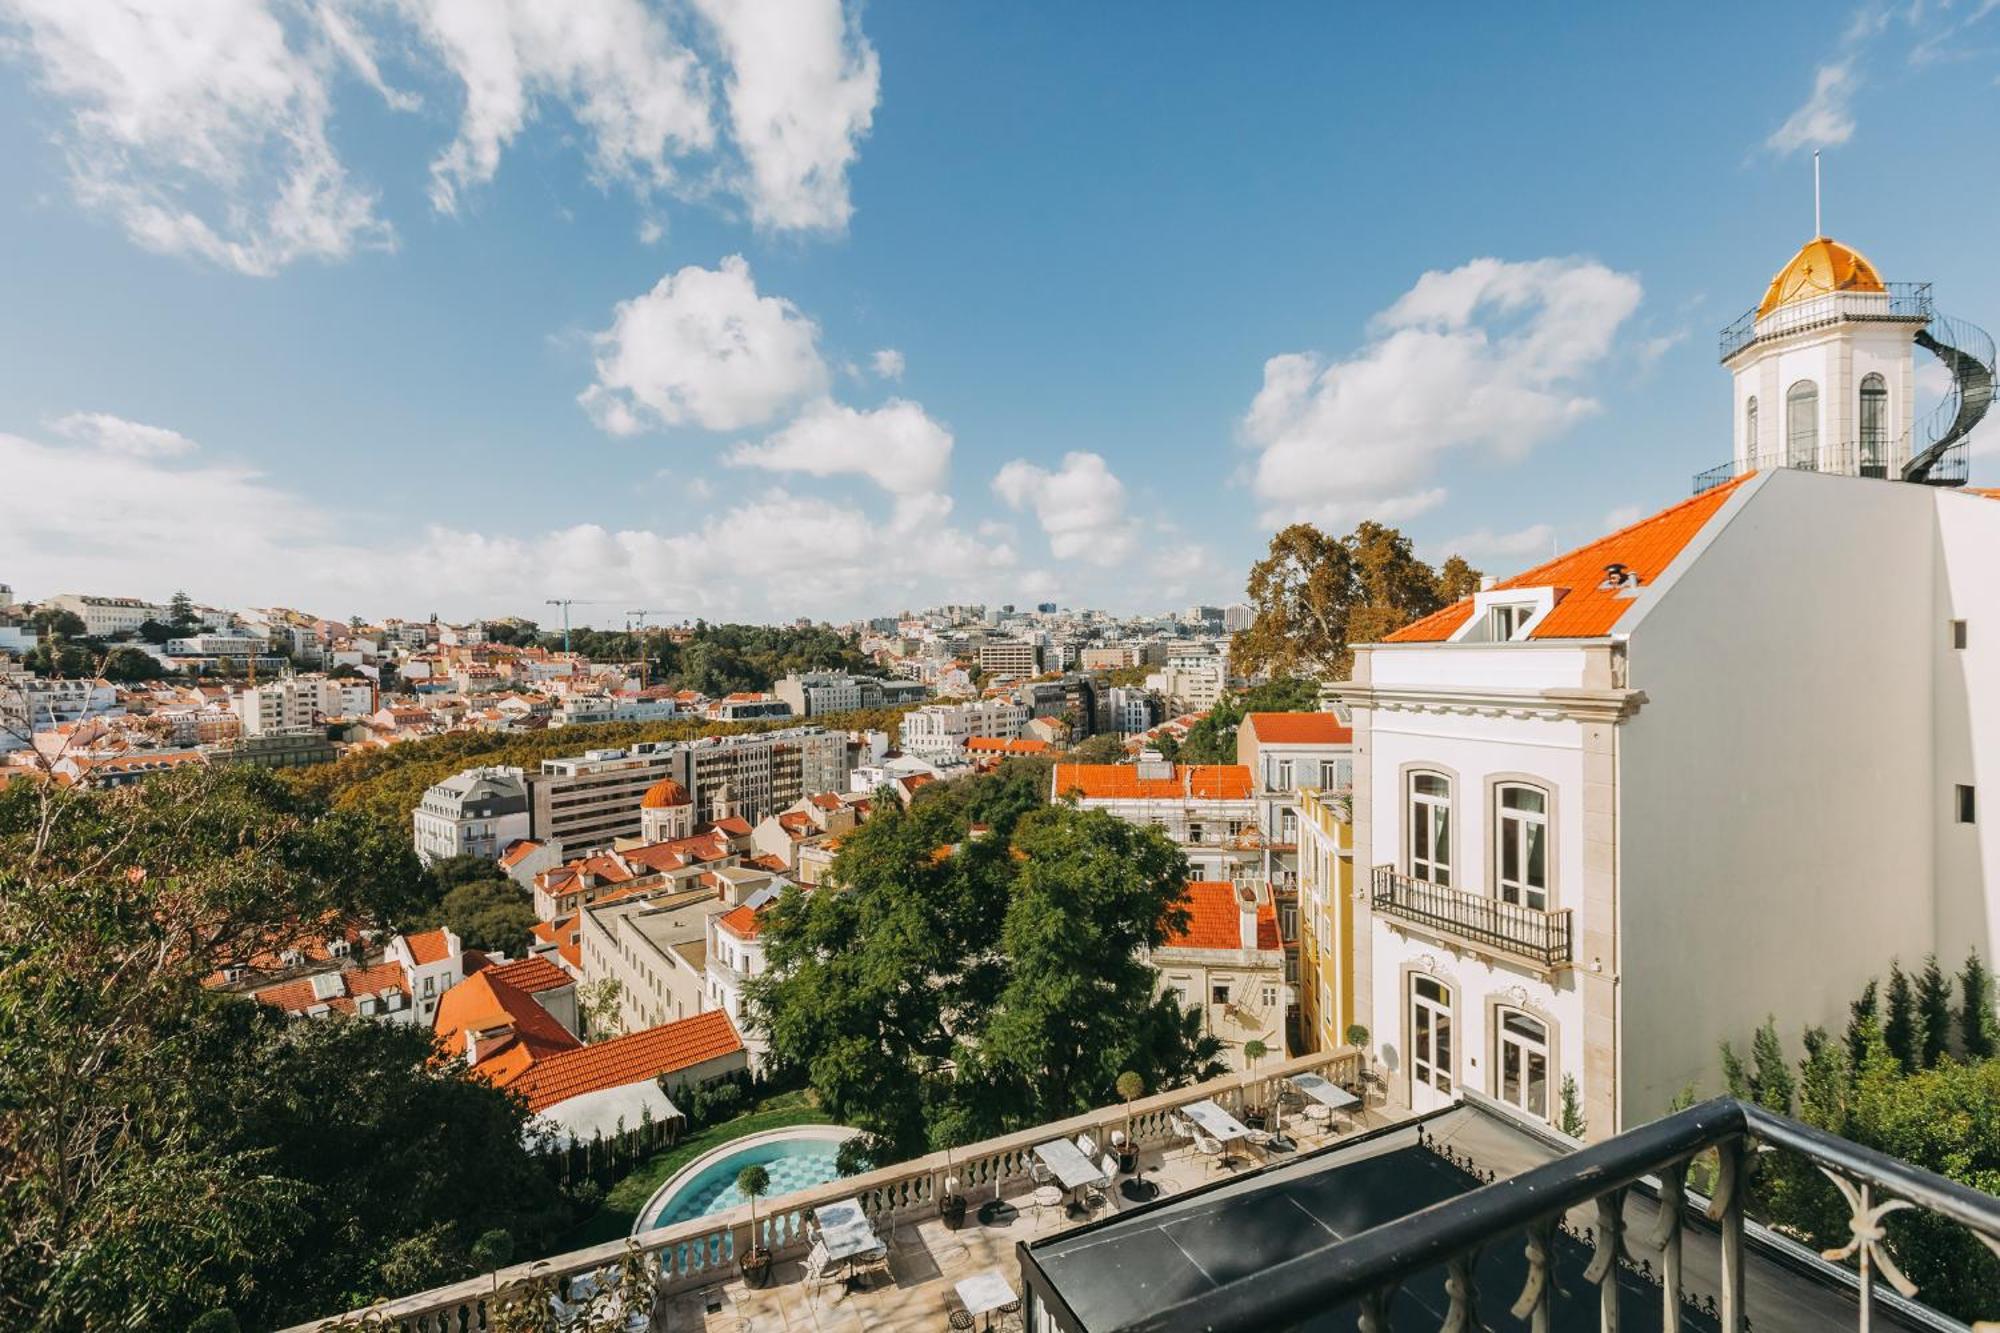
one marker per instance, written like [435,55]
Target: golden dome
[664,794]
[1822,265]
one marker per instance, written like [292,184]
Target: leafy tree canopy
[960,986]
[492,914]
[171,1150]
[1314,594]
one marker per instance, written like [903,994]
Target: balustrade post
[1726,1210]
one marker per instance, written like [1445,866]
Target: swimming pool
[797,1158]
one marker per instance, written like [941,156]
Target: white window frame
[1511,823]
[1509,1043]
[1427,814]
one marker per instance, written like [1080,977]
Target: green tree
[1571,1120]
[1456,579]
[1862,1017]
[181,618]
[1899,1029]
[1933,1013]
[52,622]
[1976,1024]
[169,1150]
[127,664]
[1302,593]
[490,914]
[1108,748]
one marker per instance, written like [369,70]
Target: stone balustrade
[703,1250]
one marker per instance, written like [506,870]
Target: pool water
[794,1164]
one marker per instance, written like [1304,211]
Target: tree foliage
[1314,594]
[171,1150]
[1976,1023]
[1899,1028]
[961,986]
[491,914]
[1213,739]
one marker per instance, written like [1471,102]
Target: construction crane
[565,603]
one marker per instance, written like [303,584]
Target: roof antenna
[1816,226]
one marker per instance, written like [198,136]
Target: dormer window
[1508,619]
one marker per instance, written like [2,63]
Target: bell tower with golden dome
[1825,378]
[1824,367]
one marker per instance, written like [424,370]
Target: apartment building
[478,812]
[293,702]
[1226,963]
[1009,658]
[1208,810]
[105,616]
[656,949]
[817,693]
[30,703]
[937,733]
[1719,765]
[589,801]
[1323,985]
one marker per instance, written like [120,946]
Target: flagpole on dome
[1817,229]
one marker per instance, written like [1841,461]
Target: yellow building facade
[1326,917]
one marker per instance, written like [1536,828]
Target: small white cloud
[1485,544]
[1824,119]
[897,446]
[651,231]
[802,87]
[1490,358]
[120,436]
[1081,506]
[1624,516]
[887,363]
[703,348]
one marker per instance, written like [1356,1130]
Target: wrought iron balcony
[1649,1165]
[1539,937]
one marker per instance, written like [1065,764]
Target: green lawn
[623,1200]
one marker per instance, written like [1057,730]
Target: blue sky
[291,318]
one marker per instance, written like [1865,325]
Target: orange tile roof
[295,997]
[1585,608]
[740,922]
[1267,927]
[995,745]
[429,946]
[1300,729]
[1202,782]
[630,1059]
[1213,918]
[517,852]
[480,1002]
[532,975]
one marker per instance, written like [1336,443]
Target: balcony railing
[1879,459]
[1540,937]
[1904,301]
[1602,1182]
[702,1251]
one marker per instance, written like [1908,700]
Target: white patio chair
[1182,1128]
[819,1269]
[1086,1145]
[1209,1148]
[1113,1200]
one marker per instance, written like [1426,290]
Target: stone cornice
[1577,705]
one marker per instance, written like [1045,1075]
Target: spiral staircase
[1939,453]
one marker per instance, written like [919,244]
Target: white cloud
[897,446]
[202,128]
[1623,516]
[1484,544]
[1081,506]
[802,88]
[1489,358]
[1824,119]
[641,97]
[703,348]
[102,516]
[887,363]
[117,435]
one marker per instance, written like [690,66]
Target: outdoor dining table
[844,1231]
[1072,1170]
[1218,1124]
[1327,1094]
[983,1293]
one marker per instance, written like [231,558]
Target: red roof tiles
[532,975]
[1585,608]
[429,946]
[630,1059]
[1202,782]
[1299,729]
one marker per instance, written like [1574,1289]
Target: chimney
[1246,915]
[1486,582]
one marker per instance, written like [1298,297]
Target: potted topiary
[755,1182]
[1253,1051]
[952,1206]
[1131,1087]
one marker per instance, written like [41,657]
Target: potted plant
[1253,1051]
[1131,1087]
[755,1182]
[952,1206]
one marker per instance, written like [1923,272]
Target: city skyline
[336,337]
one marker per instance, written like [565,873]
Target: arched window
[1521,845]
[1430,828]
[1874,426]
[1750,430]
[1802,424]
[1521,1075]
